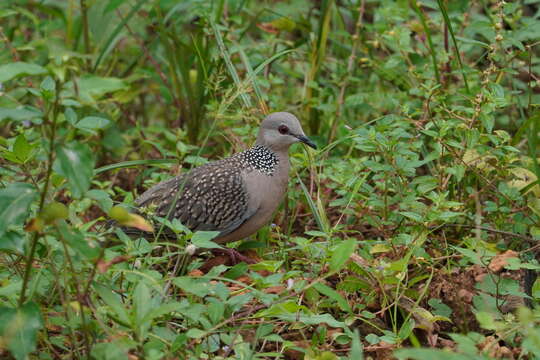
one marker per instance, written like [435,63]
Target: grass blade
[456,48]
[126,164]
[115,33]
[230,67]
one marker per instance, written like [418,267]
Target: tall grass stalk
[228,63]
[350,66]
[427,31]
[448,24]
[317,56]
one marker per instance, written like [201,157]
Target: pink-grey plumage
[237,195]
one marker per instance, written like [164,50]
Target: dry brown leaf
[268,27]
[103,266]
[498,262]
[465,295]
[137,222]
[274,289]
[196,273]
[494,349]
[360,261]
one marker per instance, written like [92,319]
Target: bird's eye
[283,129]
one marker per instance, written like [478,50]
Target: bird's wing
[211,197]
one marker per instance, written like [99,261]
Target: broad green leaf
[92,123]
[166,309]
[216,309]
[486,320]
[17,69]
[113,301]
[21,152]
[141,302]
[19,327]
[48,87]
[75,162]
[341,254]
[196,333]
[115,350]
[406,329]
[20,113]
[202,239]
[334,295]
[22,148]
[357,348]
[197,286]
[428,354]
[103,199]
[78,242]
[94,87]
[71,116]
[15,201]
[236,271]
[412,216]
[12,241]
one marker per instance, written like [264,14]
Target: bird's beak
[306,141]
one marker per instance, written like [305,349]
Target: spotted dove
[237,195]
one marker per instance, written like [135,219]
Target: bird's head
[280,130]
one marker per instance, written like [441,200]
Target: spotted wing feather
[212,197]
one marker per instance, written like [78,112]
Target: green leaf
[115,350]
[412,216]
[19,327]
[90,123]
[141,302]
[76,164]
[22,149]
[196,286]
[103,199]
[216,309]
[20,113]
[15,201]
[486,320]
[48,87]
[357,348]
[78,242]
[236,271]
[428,354]
[94,87]
[71,116]
[17,69]
[113,301]
[12,241]
[196,333]
[406,329]
[341,254]
[202,239]
[334,295]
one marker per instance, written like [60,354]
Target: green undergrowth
[411,233]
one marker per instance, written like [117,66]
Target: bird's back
[214,196]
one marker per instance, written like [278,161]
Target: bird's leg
[235,256]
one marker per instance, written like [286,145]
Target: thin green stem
[86,33]
[422,18]
[456,48]
[50,159]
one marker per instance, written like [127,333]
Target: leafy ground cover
[411,234]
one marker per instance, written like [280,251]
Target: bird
[235,196]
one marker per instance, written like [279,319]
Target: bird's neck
[266,159]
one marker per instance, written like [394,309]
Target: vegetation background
[411,234]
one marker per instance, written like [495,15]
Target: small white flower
[290,284]
[190,249]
